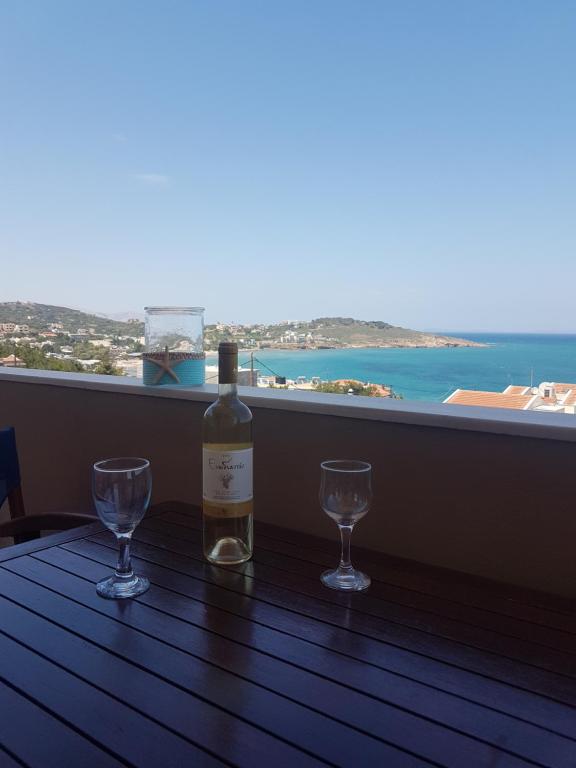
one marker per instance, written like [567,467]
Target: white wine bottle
[227,468]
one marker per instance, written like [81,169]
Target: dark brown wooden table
[260,665]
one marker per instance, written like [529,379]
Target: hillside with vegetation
[328,332]
[348,332]
[323,332]
[32,357]
[41,317]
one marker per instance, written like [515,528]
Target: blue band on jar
[180,373]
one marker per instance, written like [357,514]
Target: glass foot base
[346,581]
[118,587]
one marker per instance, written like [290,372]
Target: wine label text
[227,475]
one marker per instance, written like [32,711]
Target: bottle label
[227,475]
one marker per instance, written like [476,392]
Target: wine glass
[121,490]
[345,496]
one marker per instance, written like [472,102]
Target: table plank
[311,562]
[482,723]
[374,655]
[539,671]
[337,701]
[511,599]
[127,735]
[427,668]
[8,761]
[40,740]
[310,731]
[116,673]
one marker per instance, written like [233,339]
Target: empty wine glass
[121,490]
[345,496]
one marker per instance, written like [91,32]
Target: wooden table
[260,665]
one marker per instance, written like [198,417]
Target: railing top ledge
[416,413]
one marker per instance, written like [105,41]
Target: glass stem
[124,567]
[345,536]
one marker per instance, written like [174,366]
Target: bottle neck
[227,390]
[227,373]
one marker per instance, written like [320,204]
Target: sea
[432,374]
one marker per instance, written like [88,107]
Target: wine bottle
[227,468]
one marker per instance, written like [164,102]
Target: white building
[106,343]
[246,377]
[131,367]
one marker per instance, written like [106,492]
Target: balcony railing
[480,490]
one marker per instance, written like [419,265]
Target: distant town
[81,349]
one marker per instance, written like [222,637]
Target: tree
[36,358]
[348,387]
[106,365]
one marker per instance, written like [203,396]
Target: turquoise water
[431,374]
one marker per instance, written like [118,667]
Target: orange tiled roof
[561,389]
[488,399]
[515,389]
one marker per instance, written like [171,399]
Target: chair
[22,527]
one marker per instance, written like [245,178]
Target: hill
[341,332]
[375,333]
[40,317]
[332,332]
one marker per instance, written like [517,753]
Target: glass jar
[174,346]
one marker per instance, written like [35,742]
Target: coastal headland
[329,333]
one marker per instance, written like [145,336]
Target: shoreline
[264,350]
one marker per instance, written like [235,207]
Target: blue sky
[409,161]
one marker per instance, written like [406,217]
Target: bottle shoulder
[233,409]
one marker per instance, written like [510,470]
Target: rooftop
[489,399]
[547,396]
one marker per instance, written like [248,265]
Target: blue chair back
[9,467]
